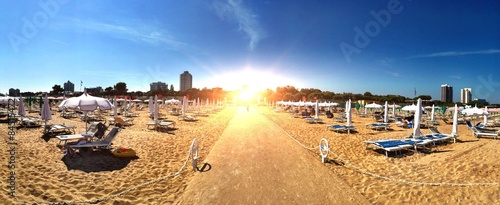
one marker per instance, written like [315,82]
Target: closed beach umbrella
[393,110]
[46,113]
[418,116]
[432,113]
[155,115]
[348,115]
[199,104]
[115,109]
[40,102]
[386,112]
[150,105]
[125,105]
[20,110]
[443,110]
[454,130]
[184,105]
[316,110]
[485,115]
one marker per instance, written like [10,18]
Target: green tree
[121,88]
[282,91]
[423,97]
[57,89]
[316,94]
[327,95]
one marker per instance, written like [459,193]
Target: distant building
[69,87]
[446,93]
[157,86]
[480,101]
[14,92]
[466,95]
[95,90]
[186,81]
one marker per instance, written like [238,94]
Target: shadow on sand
[88,161]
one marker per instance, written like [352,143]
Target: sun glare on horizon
[254,80]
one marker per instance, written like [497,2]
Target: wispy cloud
[246,19]
[135,32]
[387,62]
[58,41]
[456,53]
[395,74]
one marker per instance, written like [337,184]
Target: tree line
[285,93]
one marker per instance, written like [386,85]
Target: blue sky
[383,46]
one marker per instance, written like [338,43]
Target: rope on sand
[95,201]
[363,171]
[284,131]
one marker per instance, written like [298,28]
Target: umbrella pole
[85,120]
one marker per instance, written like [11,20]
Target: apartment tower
[186,81]
[466,95]
[446,93]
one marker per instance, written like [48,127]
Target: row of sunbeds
[425,142]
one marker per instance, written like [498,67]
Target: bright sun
[247,94]
[254,80]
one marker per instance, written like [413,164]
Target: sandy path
[254,162]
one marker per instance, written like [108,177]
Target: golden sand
[44,174]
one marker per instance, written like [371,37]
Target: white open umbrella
[473,111]
[412,108]
[87,103]
[46,113]
[5,100]
[373,106]
[454,130]
[20,110]
[418,117]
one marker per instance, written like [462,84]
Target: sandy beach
[459,172]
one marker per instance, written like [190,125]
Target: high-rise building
[95,90]
[14,92]
[466,95]
[157,86]
[186,81]
[69,86]
[446,93]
